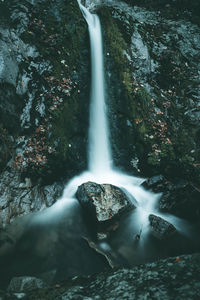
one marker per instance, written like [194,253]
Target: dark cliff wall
[45,82]
[190,9]
[152,81]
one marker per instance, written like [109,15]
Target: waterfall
[100,169]
[99,148]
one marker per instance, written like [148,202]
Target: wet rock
[171,278]
[112,257]
[182,199]
[104,203]
[25,283]
[18,197]
[161,228]
[153,181]
[193,115]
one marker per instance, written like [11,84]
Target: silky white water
[100,168]
[99,148]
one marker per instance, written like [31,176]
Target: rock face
[37,89]
[167,279]
[42,83]
[103,203]
[182,199]
[19,197]
[155,104]
[161,228]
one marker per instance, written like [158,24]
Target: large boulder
[104,203]
[161,228]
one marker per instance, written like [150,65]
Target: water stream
[99,147]
[100,166]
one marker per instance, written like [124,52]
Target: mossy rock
[60,35]
[158,130]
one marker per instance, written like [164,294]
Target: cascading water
[99,148]
[100,168]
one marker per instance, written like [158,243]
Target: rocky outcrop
[43,117]
[178,8]
[172,278]
[103,203]
[153,88]
[182,199]
[19,197]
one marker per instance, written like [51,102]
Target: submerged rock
[161,228]
[153,181]
[113,258]
[25,283]
[104,203]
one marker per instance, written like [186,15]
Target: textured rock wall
[172,278]
[44,87]
[152,81]
[44,96]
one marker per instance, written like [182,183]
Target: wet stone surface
[104,203]
[20,197]
[182,200]
[161,228]
[24,284]
[171,278]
